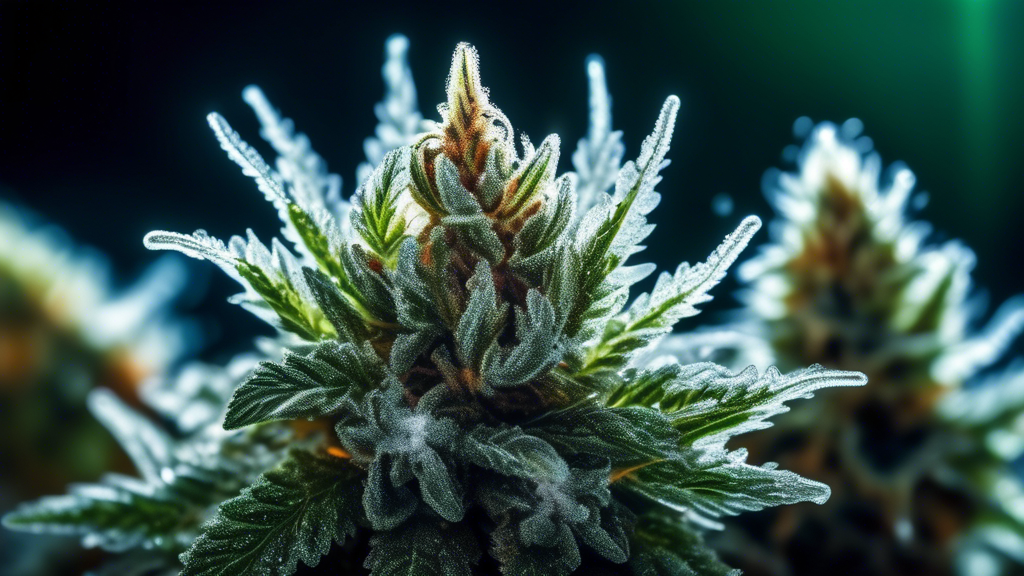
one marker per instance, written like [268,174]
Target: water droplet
[167,475]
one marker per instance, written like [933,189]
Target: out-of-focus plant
[459,334]
[63,332]
[921,459]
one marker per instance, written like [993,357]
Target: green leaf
[343,315]
[398,444]
[610,233]
[386,505]
[538,350]
[710,484]
[531,180]
[665,545]
[424,547]
[541,523]
[508,450]
[626,436]
[315,239]
[438,486]
[280,295]
[607,531]
[376,217]
[675,297]
[559,557]
[645,388]
[708,404]
[305,386]
[289,514]
[119,514]
[465,215]
[483,319]
[425,304]
[423,189]
[370,287]
[537,243]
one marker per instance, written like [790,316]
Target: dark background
[102,106]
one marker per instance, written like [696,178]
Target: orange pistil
[621,473]
[338,452]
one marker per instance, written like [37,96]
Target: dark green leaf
[340,312]
[509,451]
[289,514]
[665,545]
[424,547]
[538,350]
[387,505]
[626,436]
[305,386]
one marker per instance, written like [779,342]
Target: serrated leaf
[708,484]
[386,505]
[674,297]
[317,241]
[119,514]
[305,386]
[708,404]
[295,314]
[376,216]
[290,514]
[626,436]
[509,451]
[340,312]
[611,231]
[559,557]
[541,523]
[438,486]
[399,444]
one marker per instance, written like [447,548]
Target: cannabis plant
[65,330]
[920,458]
[461,341]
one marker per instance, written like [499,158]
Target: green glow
[979,82]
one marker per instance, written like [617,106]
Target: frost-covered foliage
[461,334]
[921,458]
[185,470]
[64,330]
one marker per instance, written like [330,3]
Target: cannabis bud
[459,335]
[921,459]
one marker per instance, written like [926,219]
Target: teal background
[102,125]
